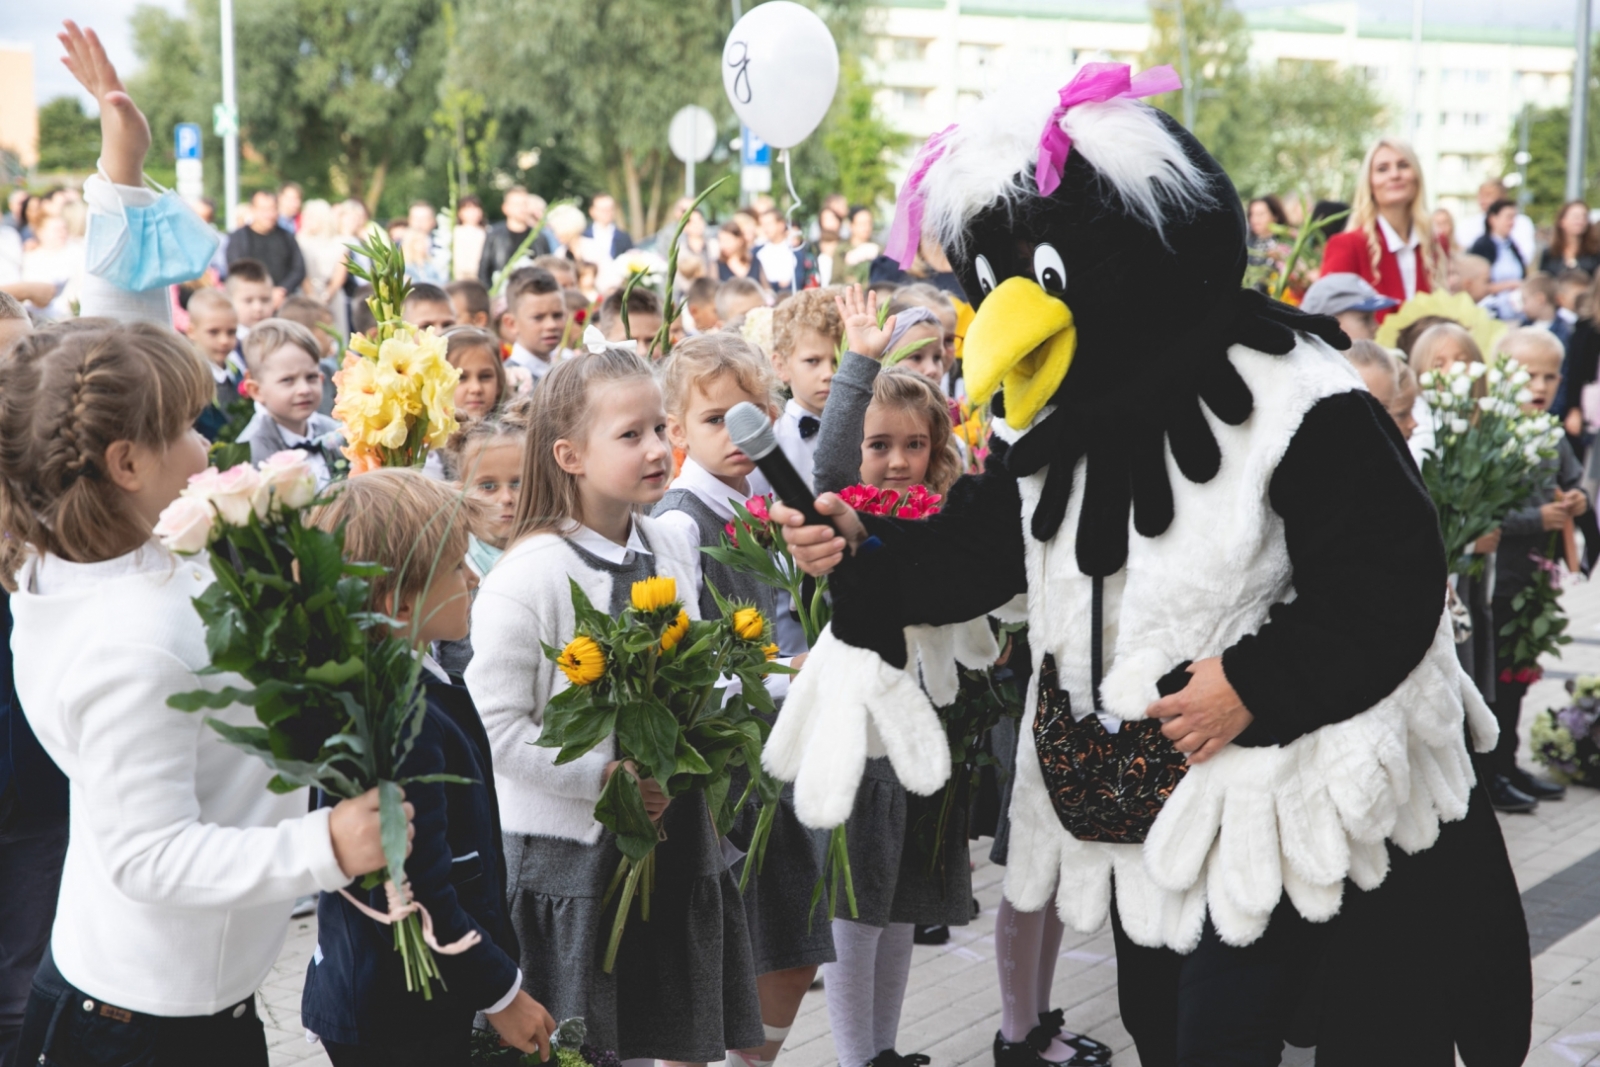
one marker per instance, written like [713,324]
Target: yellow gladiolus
[653,594]
[675,631]
[748,624]
[582,661]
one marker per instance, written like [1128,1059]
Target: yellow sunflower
[770,651]
[653,594]
[582,661]
[675,631]
[748,624]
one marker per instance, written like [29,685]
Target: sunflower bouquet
[653,678]
[396,391]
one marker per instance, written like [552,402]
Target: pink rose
[231,492]
[757,507]
[185,525]
[287,481]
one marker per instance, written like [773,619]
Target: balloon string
[794,197]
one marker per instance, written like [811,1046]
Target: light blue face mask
[149,247]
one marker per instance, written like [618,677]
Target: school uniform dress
[1402,271]
[182,866]
[684,983]
[355,998]
[785,930]
[267,437]
[891,833]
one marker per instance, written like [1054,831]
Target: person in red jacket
[1387,240]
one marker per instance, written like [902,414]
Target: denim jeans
[30,878]
[66,1027]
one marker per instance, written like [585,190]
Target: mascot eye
[986,280]
[1048,270]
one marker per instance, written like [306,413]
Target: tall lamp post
[228,120]
[1577,132]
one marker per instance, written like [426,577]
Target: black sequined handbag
[1103,786]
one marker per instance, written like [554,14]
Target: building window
[977,55]
[909,99]
[909,49]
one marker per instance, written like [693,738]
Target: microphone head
[751,430]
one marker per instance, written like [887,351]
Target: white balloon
[780,68]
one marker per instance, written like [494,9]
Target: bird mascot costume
[1247,738]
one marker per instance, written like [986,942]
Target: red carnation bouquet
[917,503]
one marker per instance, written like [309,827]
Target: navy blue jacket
[355,991]
[33,791]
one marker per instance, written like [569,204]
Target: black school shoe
[890,1058]
[1537,788]
[1025,1053]
[929,935]
[1508,798]
[1086,1050]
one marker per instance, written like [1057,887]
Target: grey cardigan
[837,462]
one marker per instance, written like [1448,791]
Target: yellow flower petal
[748,624]
[675,631]
[653,594]
[582,661]
[770,651]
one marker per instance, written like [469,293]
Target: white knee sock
[850,984]
[889,984]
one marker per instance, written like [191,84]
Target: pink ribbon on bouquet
[905,233]
[400,906]
[1094,84]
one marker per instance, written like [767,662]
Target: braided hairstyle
[66,395]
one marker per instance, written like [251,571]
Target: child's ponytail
[66,395]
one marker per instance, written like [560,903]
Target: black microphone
[751,432]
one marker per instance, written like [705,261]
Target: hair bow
[594,340]
[905,233]
[1095,83]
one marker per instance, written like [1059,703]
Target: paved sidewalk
[952,1007]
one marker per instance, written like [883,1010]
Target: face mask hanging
[149,247]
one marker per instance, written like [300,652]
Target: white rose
[1459,426]
[185,525]
[1524,396]
[1521,377]
[287,481]
[1476,371]
[231,492]
[1426,381]
[1487,403]
[1461,386]
[1496,376]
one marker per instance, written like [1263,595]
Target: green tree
[861,143]
[1317,121]
[1219,75]
[69,139]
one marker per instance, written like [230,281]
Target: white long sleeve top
[182,868]
[526,600]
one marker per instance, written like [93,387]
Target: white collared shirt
[602,237]
[598,544]
[318,462]
[1408,261]
[800,450]
[529,362]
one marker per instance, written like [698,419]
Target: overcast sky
[36,24]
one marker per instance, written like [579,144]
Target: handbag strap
[1096,638]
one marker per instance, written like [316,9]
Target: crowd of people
[151,874]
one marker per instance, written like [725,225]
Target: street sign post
[187,150]
[691,135]
[755,162]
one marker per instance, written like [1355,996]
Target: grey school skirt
[785,931]
[684,984]
[891,835]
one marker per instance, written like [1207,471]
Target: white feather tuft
[990,157]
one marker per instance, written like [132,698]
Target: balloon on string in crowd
[780,68]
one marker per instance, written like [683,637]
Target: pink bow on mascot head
[1094,83]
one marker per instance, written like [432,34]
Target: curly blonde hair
[66,395]
[698,361]
[903,389]
[809,309]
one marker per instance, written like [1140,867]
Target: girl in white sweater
[182,866]
[684,985]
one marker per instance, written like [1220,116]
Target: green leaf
[392,826]
[621,810]
[336,673]
[648,732]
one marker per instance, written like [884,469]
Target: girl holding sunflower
[683,988]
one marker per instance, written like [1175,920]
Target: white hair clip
[594,340]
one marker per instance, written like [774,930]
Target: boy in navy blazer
[355,998]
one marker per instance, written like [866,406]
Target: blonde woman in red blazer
[1388,239]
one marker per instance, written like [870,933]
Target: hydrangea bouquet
[1567,740]
[337,695]
[1484,447]
[652,677]
[396,391]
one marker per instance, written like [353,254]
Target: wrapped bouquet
[1567,740]
[338,697]
[653,677]
[396,391]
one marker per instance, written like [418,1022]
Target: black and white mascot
[1247,737]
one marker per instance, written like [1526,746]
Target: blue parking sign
[186,137]
[753,151]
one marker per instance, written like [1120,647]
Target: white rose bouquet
[1484,448]
[338,697]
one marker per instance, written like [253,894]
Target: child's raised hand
[124,133]
[860,317]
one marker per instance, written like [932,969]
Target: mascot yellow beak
[1023,339]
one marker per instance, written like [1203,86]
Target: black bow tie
[809,425]
[314,448]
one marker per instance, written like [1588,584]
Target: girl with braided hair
[181,867]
